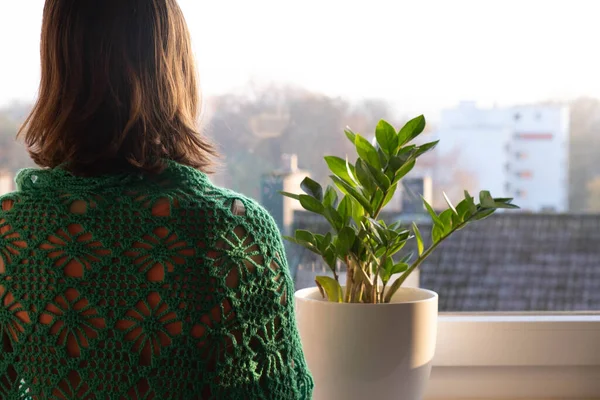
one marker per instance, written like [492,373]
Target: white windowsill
[506,356]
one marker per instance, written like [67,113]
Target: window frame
[533,356]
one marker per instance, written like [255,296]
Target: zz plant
[371,249]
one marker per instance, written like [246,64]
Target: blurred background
[510,88]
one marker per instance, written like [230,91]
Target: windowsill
[510,356]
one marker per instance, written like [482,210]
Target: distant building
[519,152]
[288,179]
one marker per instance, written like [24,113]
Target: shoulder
[227,201]
[239,214]
[250,215]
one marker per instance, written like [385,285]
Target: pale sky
[419,54]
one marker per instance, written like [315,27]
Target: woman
[125,273]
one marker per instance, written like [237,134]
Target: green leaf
[330,258]
[351,171]
[463,211]
[505,203]
[311,204]
[507,206]
[449,203]
[437,233]
[446,218]
[407,152]
[383,158]
[503,200]
[334,218]
[395,164]
[290,195]
[390,194]
[331,197]
[419,238]
[323,241]
[403,171]
[358,211]
[312,188]
[396,247]
[398,268]
[339,168]
[471,203]
[345,209]
[411,130]
[386,271]
[486,199]
[380,251]
[305,236]
[407,258]
[330,287]
[386,137]
[380,178]
[306,245]
[345,240]
[364,177]
[366,151]
[349,190]
[379,230]
[425,148]
[350,135]
[459,218]
[377,200]
[434,216]
[483,214]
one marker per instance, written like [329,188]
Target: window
[520,292]
[520,155]
[525,174]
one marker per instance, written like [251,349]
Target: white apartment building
[520,152]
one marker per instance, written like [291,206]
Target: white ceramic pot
[369,351]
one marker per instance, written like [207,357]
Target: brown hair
[118,89]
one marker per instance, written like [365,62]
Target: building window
[534,136]
[520,155]
[525,174]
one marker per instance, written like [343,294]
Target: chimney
[289,162]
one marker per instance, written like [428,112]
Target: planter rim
[303,294]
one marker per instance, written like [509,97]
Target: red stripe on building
[534,136]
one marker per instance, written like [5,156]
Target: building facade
[520,152]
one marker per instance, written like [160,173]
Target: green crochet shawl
[138,286]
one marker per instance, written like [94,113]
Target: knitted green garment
[143,287]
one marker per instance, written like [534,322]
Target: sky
[419,55]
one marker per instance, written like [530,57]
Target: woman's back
[141,286]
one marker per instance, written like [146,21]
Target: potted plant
[372,338]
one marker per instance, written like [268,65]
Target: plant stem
[349,280]
[376,279]
[360,293]
[426,254]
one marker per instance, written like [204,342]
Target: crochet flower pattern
[73,321]
[74,249]
[150,325]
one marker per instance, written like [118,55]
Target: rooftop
[508,262]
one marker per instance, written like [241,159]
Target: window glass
[509,87]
